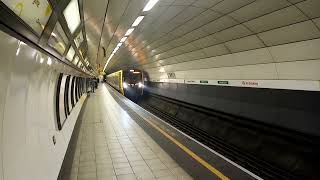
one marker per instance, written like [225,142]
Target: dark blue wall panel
[291,109]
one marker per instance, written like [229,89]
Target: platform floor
[112,146]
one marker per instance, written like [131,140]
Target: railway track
[256,165]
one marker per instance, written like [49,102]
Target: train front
[133,84]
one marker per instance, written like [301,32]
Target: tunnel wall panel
[8,51]
[296,61]
[30,144]
[295,110]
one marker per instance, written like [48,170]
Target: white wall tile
[233,33]
[258,8]
[317,21]
[276,19]
[296,32]
[304,70]
[215,50]
[296,51]
[219,24]
[256,56]
[310,7]
[245,43]
[226,7]
[259,71]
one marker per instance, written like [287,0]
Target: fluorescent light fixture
[137,21]
[129,32]
[150,5]
[110,56]
[72,15]
[123,39]
[131,70]
[119,44]
[115,50]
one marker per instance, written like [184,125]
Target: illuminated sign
[35,13]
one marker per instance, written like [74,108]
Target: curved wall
[31,146]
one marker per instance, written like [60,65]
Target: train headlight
[125,85]
[140,85]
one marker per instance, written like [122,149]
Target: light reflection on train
[130,83]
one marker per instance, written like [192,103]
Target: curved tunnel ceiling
[177,31]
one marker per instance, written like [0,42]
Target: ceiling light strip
[129,32]
[138,20]
[150,5]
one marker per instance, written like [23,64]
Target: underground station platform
[115,138]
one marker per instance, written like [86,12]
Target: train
[129,83]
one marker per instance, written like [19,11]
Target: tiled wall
[300,60]
[263,39]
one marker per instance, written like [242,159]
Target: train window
[66,97]
[60,110]
[58,39]
[34,13]
[72,91]
[69,94]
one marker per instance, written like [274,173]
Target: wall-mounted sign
[190,81]
[223,82]
[171,75]
[250,83]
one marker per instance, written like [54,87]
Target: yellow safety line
[188,151]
